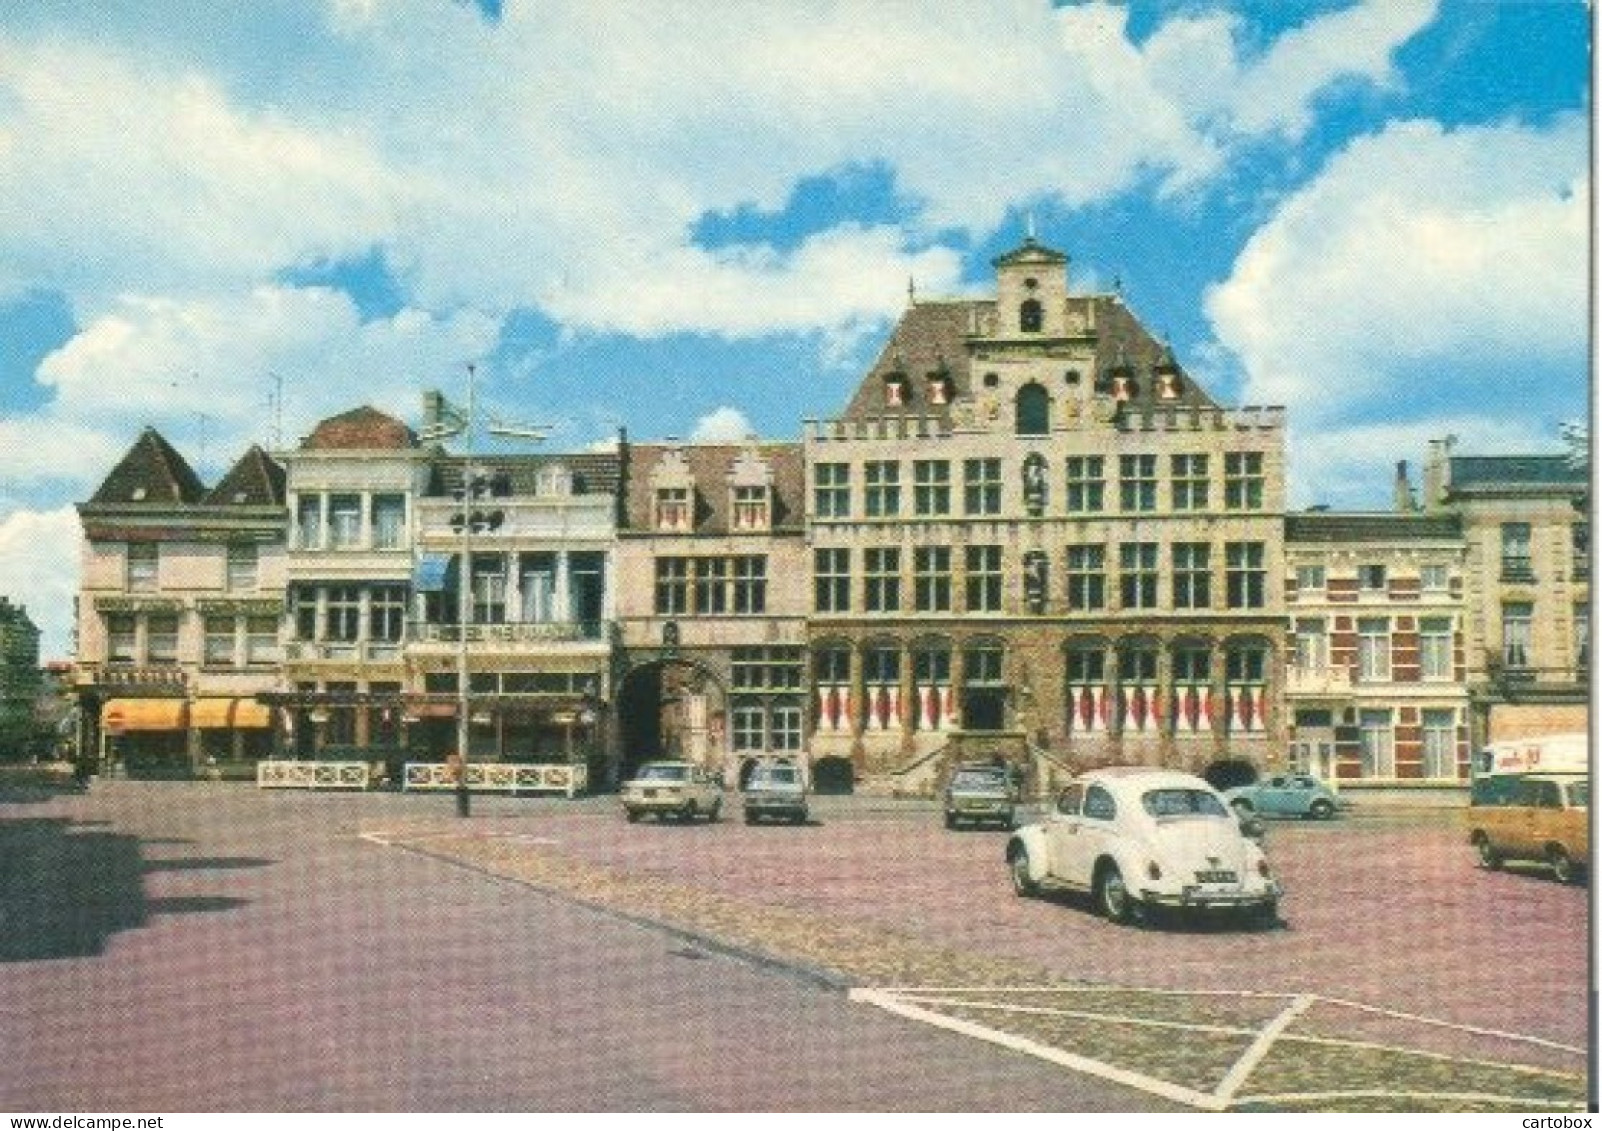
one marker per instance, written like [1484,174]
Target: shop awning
[431,710]
[218,714]
[120,715]
[432,571]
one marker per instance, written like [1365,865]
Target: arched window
[1030,316]
[1032,411]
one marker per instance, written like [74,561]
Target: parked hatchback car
[980,794]
[1138,838]
[1540,817]
[775,791]
[673,789]
[1286,795]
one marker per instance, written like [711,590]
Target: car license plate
[1215,877]
[650,793]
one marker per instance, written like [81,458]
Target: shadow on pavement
[66,889]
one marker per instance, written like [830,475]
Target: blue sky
[1375,214]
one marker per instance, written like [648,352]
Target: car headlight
[1153,872]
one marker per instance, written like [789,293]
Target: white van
[1548,754]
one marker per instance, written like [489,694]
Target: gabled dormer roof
[151,472]
[257,480]
[360,429]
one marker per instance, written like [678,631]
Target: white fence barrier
[274,774]
[499,777]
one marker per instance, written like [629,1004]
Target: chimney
[1403,490]
[1437,473]
[433,408]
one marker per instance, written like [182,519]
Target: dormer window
[940,387]
[896,390]
[1125,388]
[751,511]
[1031,316]
[1169,386]
[138,494]
[673,508]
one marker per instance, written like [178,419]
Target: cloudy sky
[699,218]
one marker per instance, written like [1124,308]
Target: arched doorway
[671,709]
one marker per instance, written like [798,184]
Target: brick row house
[1527,587]
[1030,534]
[1376,686]
[713,604]
[180,609]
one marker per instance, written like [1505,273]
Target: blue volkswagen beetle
[1286,795]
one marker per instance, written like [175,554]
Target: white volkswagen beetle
[1136,837]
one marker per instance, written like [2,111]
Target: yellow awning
[119,715]
[217,714]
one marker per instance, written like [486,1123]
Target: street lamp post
[471,521]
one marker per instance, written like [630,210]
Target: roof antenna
[1029,226]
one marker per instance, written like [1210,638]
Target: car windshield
[663,773]
[1179,802]
[980,779]
[774,775]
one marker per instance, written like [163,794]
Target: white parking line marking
[1453,1025]
[1084,1015]
[1078,1063]
[1259,1048]
[911,1002]
[1376,1094]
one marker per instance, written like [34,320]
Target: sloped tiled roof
[710,465]
[257,480]
[151,472]
[360,429]
[594,473]
[1514,471]
[1373,526]
[934,334]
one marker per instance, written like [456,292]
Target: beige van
[1542,817]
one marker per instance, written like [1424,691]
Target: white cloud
[558,157]
[724,425]
[1352,465]
[159,179]
[1422,269]
[201,372]
[39,564]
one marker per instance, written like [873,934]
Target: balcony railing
[347,651]
[542,632]
[135,675]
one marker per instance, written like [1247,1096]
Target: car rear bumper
[1205,899]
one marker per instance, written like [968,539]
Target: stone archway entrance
[673,709]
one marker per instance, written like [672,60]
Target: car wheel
[716,810]
[1018,868]
[689,811]
[1562,867]
[1490,858]
[1113,896]
[750,818]
[1321,810]
[631,815]
[951,821]
[1243,807]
